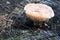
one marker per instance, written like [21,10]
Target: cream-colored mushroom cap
[38,11]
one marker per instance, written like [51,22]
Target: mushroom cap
[38,11]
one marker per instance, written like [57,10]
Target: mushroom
[38,12]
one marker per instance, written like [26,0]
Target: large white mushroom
[40,12]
